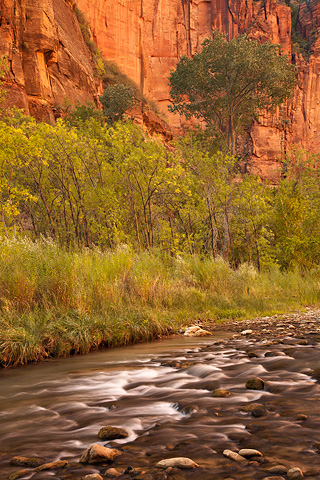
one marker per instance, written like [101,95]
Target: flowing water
[161,393]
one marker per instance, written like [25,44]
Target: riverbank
[186,400]
[55,302]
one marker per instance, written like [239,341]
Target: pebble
[277,469]
[233,456]
[294,473]
[250,452]
[178,462]
[220,393]
[97,454]
[92,476]
[112,473]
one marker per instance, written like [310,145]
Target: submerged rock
[281,469]
[220,393]
[97,454]
[27,461]
[294,473]
[92,476]
[112,433]
[112,473]
[53,465]
[19,474]
[178,462]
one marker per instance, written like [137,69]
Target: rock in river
[249,452]
[27,461]
[92,476]
[233,456]
[112,433]
[178,462]
[294,473]
[255,383]
[97,454]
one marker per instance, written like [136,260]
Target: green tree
[228,82]
[116,100]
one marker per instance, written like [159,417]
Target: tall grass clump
[55,301]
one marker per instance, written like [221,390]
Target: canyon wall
[49,62]
[146,38]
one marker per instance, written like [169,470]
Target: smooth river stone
[250,452]
[294,473]
[178,462]
[234,456]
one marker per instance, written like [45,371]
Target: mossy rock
[255,383]
[112,433]
[220,393]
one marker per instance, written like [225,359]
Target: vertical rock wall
[49,62]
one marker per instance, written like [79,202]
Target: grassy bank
[55,302]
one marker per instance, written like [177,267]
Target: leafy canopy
[228,82]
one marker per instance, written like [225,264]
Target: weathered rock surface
[112,433]
[97,454]
[27,461]
[49,61]
[234,456]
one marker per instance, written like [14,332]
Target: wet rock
[294,473]
[234,456]
[281,469]
[220,393]
[53,465]
[97,454]
[250,452]
[112,473]
[134,472]
[112,433]
[256,409]
[19,474]
[302,416]
[255,383]
[178,462]
[273,478]
[316,445]
[246,332]
[253,355]
[92,476]
[27,461]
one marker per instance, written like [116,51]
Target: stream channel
[162,394]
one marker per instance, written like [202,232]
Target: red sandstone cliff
[146,38]
[49,61]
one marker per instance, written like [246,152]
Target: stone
[256,409]
[273,478]
[253,355]
[92,476]
[53,465]
[302,416]
[112,433]
[196,331]
[27,461]
[250,452]
[112,473]
[246,332]
[316,445]
[255,383]
[19,474]
[281,469]
[234,456]
[220,393]
[177,462]
[294,473]
[98,454]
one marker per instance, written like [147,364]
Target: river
[161,393]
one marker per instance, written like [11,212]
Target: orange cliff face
[146,38]
[48,59]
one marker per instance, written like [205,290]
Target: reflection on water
[54,410]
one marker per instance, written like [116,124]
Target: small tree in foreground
[228,82]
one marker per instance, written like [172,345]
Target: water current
[161,393]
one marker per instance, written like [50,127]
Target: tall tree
[228,82]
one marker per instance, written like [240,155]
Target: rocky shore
[253,412]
